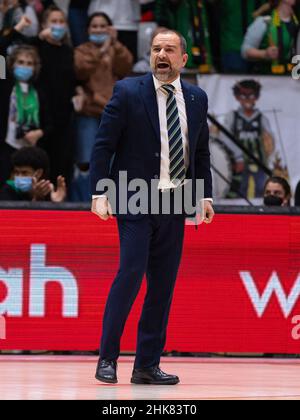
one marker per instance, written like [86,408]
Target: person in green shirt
[189,17]
[236,16]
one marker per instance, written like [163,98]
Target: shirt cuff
[208,199]
[98,196]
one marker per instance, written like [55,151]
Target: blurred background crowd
[63,58]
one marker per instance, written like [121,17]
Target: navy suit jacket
[129,140]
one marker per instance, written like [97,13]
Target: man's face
[167,58]
[277,190]
[247,98]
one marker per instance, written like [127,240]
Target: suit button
[155,176]
[156,154]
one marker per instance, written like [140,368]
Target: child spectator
[29,180]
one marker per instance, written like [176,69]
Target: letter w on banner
[274,286]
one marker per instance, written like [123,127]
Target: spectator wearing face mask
[277,192]
[58,80]
[126,15]
[24,118]
[99,63]
[29,180]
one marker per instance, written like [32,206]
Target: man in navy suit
[154,128]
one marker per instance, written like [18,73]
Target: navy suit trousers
[151,245]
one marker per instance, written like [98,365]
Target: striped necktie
[177,169]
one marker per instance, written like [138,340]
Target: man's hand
[102,208]
[207,212]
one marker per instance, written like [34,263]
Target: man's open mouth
[163,65]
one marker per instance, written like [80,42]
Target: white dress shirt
[164,182]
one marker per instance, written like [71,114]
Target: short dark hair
[183,43]
[247,84]
[281,181]
[99,14]
[34,157]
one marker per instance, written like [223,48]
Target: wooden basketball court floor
[72,377]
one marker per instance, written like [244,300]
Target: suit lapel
[192,111]
[150,102]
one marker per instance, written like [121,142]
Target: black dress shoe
[153,376]
[107,371]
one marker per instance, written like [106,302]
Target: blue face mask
[23,74]
[23,183]
[58,32]
[98,38]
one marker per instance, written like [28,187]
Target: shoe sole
[106,381]
[148,382]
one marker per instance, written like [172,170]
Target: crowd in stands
[63,58]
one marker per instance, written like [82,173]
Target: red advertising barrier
[238,288]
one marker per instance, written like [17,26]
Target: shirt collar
[176,84]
